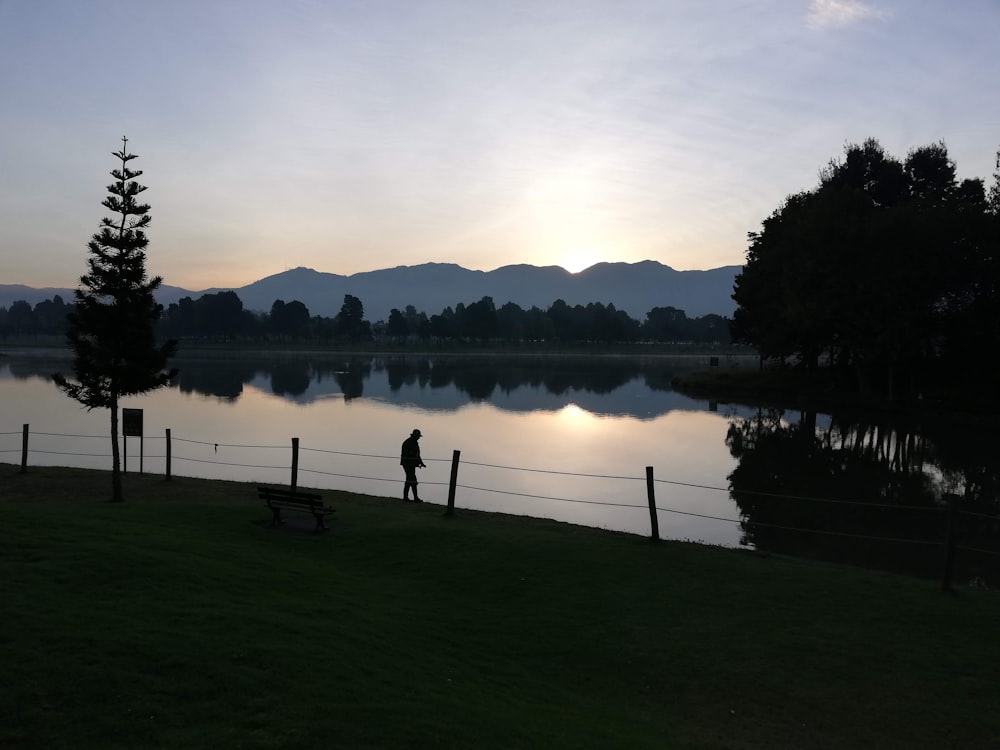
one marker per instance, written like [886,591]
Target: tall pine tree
[111,330]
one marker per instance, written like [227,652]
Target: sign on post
[132,422]
[132,427]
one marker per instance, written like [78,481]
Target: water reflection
[866,492]
[619,386]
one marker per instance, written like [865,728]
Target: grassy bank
[180,619]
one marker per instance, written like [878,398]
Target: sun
[579,258]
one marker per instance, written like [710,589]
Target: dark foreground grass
[178,619]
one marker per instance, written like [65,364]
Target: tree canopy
[886,271]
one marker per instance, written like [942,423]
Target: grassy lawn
[179,619]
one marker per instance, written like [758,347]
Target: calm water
[561,438]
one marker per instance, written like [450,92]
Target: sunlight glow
[574,415]
[579,258]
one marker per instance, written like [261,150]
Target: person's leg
[411,481]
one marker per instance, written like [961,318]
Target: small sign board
[132,422]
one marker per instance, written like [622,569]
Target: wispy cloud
[837,13]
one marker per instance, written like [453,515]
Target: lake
[559,437]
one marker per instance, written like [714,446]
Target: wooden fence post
[949,544]
[24,450]
[295,463]
[168,454]
[452,483]
[651,496]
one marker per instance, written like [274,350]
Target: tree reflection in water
[844,493]
[477,378]
[554,381]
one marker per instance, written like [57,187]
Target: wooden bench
[303,502]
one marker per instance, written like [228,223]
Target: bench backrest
[304,498]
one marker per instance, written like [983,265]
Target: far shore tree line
[222,317]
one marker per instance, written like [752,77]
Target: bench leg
[275,516]
[320,522]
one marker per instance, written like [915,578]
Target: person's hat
[416,433]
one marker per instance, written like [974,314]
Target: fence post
[949,544]
[651,496]
[452,483]
[295,463]
[24,450]
[168,454]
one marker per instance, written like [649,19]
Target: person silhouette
[409,459]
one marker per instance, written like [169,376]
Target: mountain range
[635,288]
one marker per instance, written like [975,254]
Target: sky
[354,135]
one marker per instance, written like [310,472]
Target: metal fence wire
[170,455]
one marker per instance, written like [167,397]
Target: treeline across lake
[221,317]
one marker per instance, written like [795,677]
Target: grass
[180,619]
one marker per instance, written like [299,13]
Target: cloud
[838,13]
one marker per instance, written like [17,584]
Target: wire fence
[276,462]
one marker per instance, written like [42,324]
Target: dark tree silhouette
[479,321]
[874,271]
[418,322]
[20,317]
[510,322]
[222,314]
[440,326]
[289,319]
[397,327]
[50,316]
[111,330]
[350,321]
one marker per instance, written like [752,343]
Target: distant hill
[635,288]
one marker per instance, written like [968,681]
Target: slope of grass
[180,619]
